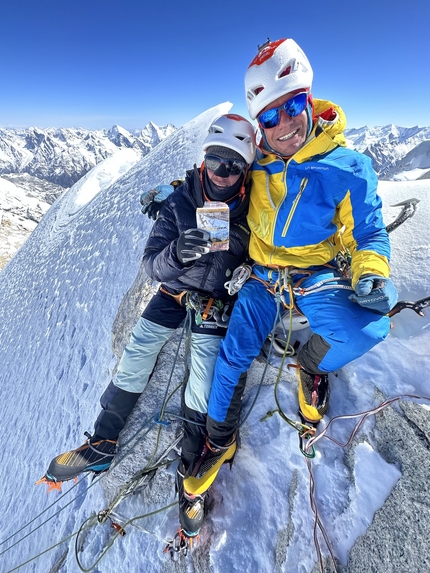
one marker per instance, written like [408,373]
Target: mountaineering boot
[314,393]
[96,455]
[192,510]
[207,467]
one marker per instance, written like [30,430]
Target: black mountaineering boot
[96,455]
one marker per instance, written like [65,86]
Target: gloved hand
[375,293]
[192,244]
[152,209]
[153,200]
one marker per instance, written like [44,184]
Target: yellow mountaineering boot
[207,468]
[194,487]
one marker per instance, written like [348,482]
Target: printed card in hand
[214,217]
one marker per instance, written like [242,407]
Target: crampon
[181,544]
[52,485]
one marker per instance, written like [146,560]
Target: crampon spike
[180,544]
[52,485]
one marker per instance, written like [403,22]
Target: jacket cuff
[368,262]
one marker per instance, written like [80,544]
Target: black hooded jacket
[208,274]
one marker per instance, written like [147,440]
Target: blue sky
[96,63]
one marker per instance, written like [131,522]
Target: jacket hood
[332,119]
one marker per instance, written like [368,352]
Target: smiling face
[290,133]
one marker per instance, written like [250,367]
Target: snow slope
[73,292]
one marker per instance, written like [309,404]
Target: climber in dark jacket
[204,276]
[180,256]
[207,274]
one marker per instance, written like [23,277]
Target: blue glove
[375,293]
[153,200]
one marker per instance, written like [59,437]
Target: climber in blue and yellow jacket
[310,198]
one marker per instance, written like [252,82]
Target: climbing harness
[206,307]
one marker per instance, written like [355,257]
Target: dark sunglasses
[292,107]
[233,166]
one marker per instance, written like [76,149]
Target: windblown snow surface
[69,299]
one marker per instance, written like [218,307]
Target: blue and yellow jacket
[305,209]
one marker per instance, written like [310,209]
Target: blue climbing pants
[342,331]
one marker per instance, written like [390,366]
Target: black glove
[153,200]
[192,244]
[152,209]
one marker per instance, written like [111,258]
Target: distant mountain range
[64,155]
[37,165]
[397,153]
[61,156]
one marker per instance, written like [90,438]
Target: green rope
[51,517]
[111,542]
[43,552]
[302,429]
[186,328]
[147,468]
[83,527]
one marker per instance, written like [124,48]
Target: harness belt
[284,283]
[177,297]
[203,306]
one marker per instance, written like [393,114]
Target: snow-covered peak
[64,155]
[364,137]
[386,145]
[152,132]
[414,165]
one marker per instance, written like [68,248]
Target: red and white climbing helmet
[235,132]
[279,68]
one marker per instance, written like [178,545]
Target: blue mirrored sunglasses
[292,107]
[233,166]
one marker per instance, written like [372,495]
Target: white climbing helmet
[279,68]
[235,132]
